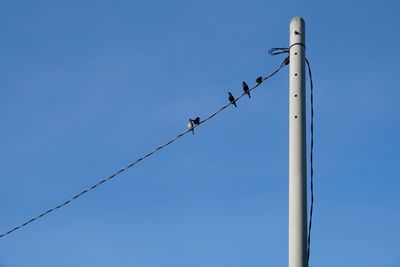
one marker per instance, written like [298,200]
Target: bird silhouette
[190,125]
[246,89]
[196,121]
[232,99]
[259,80]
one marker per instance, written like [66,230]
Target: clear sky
[88,86]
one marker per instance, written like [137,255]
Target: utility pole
[297,147]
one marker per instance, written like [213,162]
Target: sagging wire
[191,126]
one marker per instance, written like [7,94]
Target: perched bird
[246,89]
[190,125]
[259,80]
[232,99]
[196,121]
[287,60]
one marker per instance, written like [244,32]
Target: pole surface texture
[297,147]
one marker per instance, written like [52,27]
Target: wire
[139,159]
[311,160]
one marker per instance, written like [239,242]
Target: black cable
[311,159]
[138,160]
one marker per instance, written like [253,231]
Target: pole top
[297,30]
[297,20]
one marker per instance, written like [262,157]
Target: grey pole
[297,147]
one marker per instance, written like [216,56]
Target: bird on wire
[259,80]
[232,99]
[190,125]
[196,121]
[246,89]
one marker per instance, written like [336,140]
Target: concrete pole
[297,147]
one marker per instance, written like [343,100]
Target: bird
[190,125]
[232,99]
[246,89]
[259,80]
[287,61]
[196,121]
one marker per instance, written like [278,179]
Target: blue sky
[89,86]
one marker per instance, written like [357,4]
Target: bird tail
[248,93]
[234,103]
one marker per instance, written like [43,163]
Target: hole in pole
[295,117]
[295,74]
[295,95]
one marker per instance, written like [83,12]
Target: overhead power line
[259,81]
